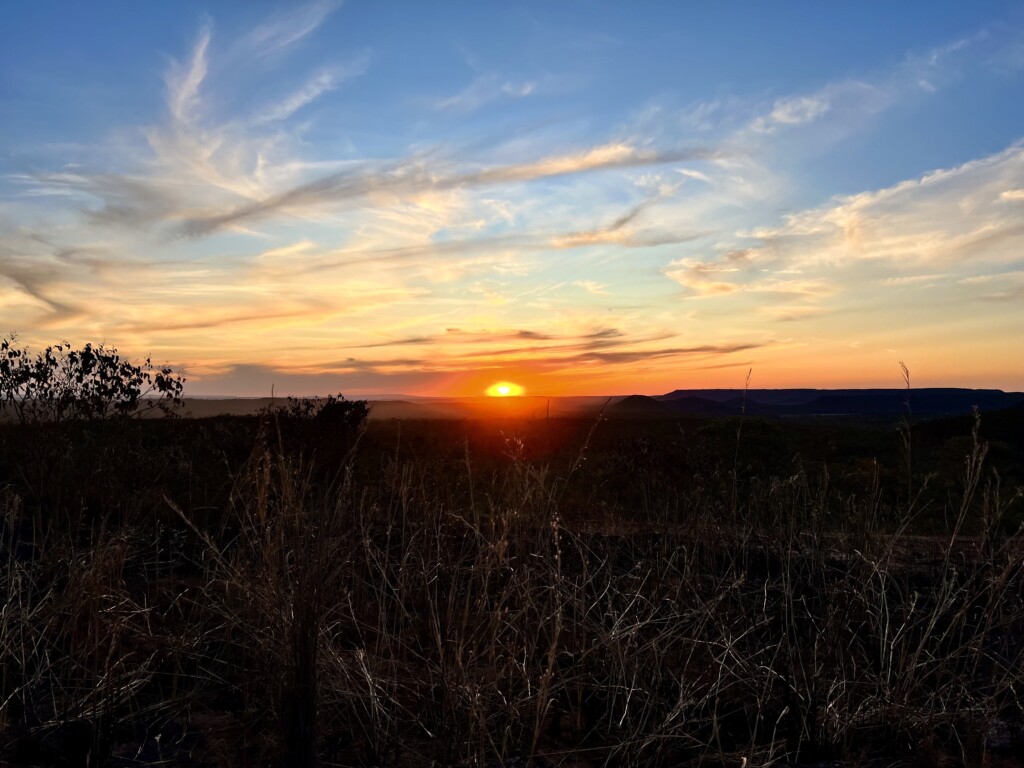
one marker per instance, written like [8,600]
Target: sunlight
[504,389]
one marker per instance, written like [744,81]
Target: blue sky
[583,197]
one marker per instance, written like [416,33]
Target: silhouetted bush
[65,384]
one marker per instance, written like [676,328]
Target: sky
[576,197]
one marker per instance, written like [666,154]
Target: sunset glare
[504,389]
[420,198]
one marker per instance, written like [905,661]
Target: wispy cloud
[418,176]
[840,107]
[320,83]
[484,89]
[793,111]
[702,278]
[922,240]
[597,289]
[183,81]
[283,30]
[944,217]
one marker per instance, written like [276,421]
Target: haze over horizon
[578,198]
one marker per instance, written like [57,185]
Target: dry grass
[323,620]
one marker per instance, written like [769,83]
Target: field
[307,587]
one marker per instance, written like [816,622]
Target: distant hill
[765,396]
[640,407]
[877,403]
[928,402]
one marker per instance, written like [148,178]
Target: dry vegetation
[275,592]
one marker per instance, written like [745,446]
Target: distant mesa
[640,407]
[707,403]
[928,402]
[645,407]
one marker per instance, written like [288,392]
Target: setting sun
[504,389]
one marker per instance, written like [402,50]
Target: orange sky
[277,209]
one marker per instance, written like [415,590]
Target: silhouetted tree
[62,383]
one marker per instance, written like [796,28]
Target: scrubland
[302,588]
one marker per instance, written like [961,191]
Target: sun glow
[504,389]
